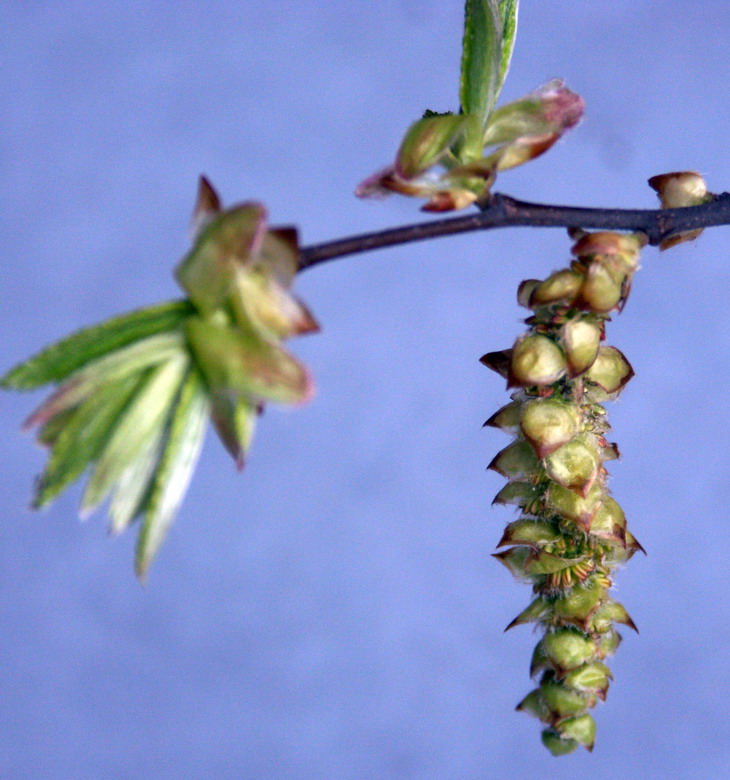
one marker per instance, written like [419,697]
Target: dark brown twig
[504,211]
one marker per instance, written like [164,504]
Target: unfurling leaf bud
[456,142]
[136,391]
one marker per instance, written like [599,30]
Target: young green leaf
[112,367]
[136,430]
[56,362]
[82,437]
[508,11]
[177,461]
[481,58]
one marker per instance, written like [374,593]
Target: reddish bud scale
[571,533]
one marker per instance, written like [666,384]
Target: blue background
[334,611]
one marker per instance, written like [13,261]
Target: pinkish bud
[679,190]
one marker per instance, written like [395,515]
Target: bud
[625,246]
[536,360]
[235,421]
[525,290]
[533,704]
[207,205]
[679,190]
[524,562]
[575,464]
[507,418]
[257,298]
[611,370]
[612,612]
[561,700]
[608,643]
[582,729]
[456,190]
[549,423]
[498,361]
[609,522]
[516,461]
[580,603]
[562,286]
[520,493]
[530,126]
[228,242]
[571,506]
[535,533]
[580,340]
[591,678]
[427,141]
[535,611]
[601,291]
[567,649]
[556,744]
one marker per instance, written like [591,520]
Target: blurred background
[334,612]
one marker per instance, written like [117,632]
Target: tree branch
[504,211]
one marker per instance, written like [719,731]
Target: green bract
[135,392]
[571,533]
